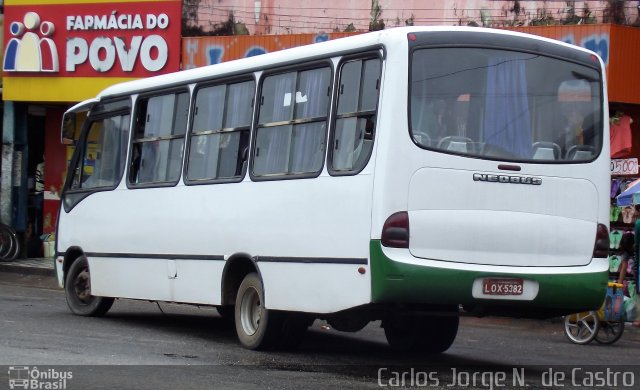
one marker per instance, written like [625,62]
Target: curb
[21,269]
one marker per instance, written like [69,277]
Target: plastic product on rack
[614,239]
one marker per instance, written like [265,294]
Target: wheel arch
[235,269]
[72,254]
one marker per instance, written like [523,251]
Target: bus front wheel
[256,326]
[77,288]
[421,334]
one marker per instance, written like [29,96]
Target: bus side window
[158,142]
[292,124]
[220,132]
[353,134]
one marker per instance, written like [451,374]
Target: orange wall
[201,51]
[617,45]
[624,71]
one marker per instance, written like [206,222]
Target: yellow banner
[56,89]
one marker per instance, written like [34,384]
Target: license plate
[502,286]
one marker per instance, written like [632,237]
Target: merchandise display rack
[622,220]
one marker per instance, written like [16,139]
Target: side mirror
[68,131]
[72,121]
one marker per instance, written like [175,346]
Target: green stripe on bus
[408,283]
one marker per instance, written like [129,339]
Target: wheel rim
[250,311]
[609,332]
[581,328]
[82,286]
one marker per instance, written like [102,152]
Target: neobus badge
[507,179]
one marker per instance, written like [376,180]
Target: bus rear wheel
[421,334]
[256,326]
[77,288]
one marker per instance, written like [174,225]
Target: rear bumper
[398,277]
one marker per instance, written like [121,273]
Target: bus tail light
[395,232]
[601,247]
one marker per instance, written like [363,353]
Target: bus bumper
[398,277]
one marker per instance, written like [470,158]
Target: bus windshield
[505,105]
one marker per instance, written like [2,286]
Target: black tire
[421,334]
[77,289]
[9,243]
[257,327]
[609,332]
[5,243]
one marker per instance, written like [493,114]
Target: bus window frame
[255,126]
[175,90]
[364,56]
[236,79]
[80,148]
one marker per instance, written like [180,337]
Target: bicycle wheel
[581,328]
[15,244]
[6,243]
[16,248]
[609,332]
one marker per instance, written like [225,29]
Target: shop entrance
[35,181]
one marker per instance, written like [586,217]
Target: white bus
[399,176]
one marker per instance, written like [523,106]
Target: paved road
[176,346]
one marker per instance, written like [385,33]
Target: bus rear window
[505,105]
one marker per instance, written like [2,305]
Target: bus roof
[278,58]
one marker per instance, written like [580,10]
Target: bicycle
[600,325]
[9,243]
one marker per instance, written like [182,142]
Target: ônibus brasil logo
[32,378]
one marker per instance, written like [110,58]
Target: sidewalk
[33,266]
